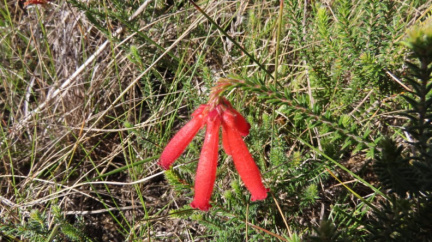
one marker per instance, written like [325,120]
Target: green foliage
[176,180]
[354,50]
[39,228]
[409,171]
[401,220]
[328,232]
[310,195]
[395,171]
[415,169]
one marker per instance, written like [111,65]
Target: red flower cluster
[216,114]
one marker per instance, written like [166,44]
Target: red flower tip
[201,110]
[202,207]
[181,140]
[260,196]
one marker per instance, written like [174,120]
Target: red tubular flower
[206,172]
[181,140]
[243,160]
[219,112]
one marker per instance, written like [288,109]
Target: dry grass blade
[62,90]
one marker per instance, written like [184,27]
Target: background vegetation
[338,93]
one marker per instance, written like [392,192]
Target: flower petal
[241,124]
[206,172]
[234,119]
[225,143]
[180,141]
[245,165]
